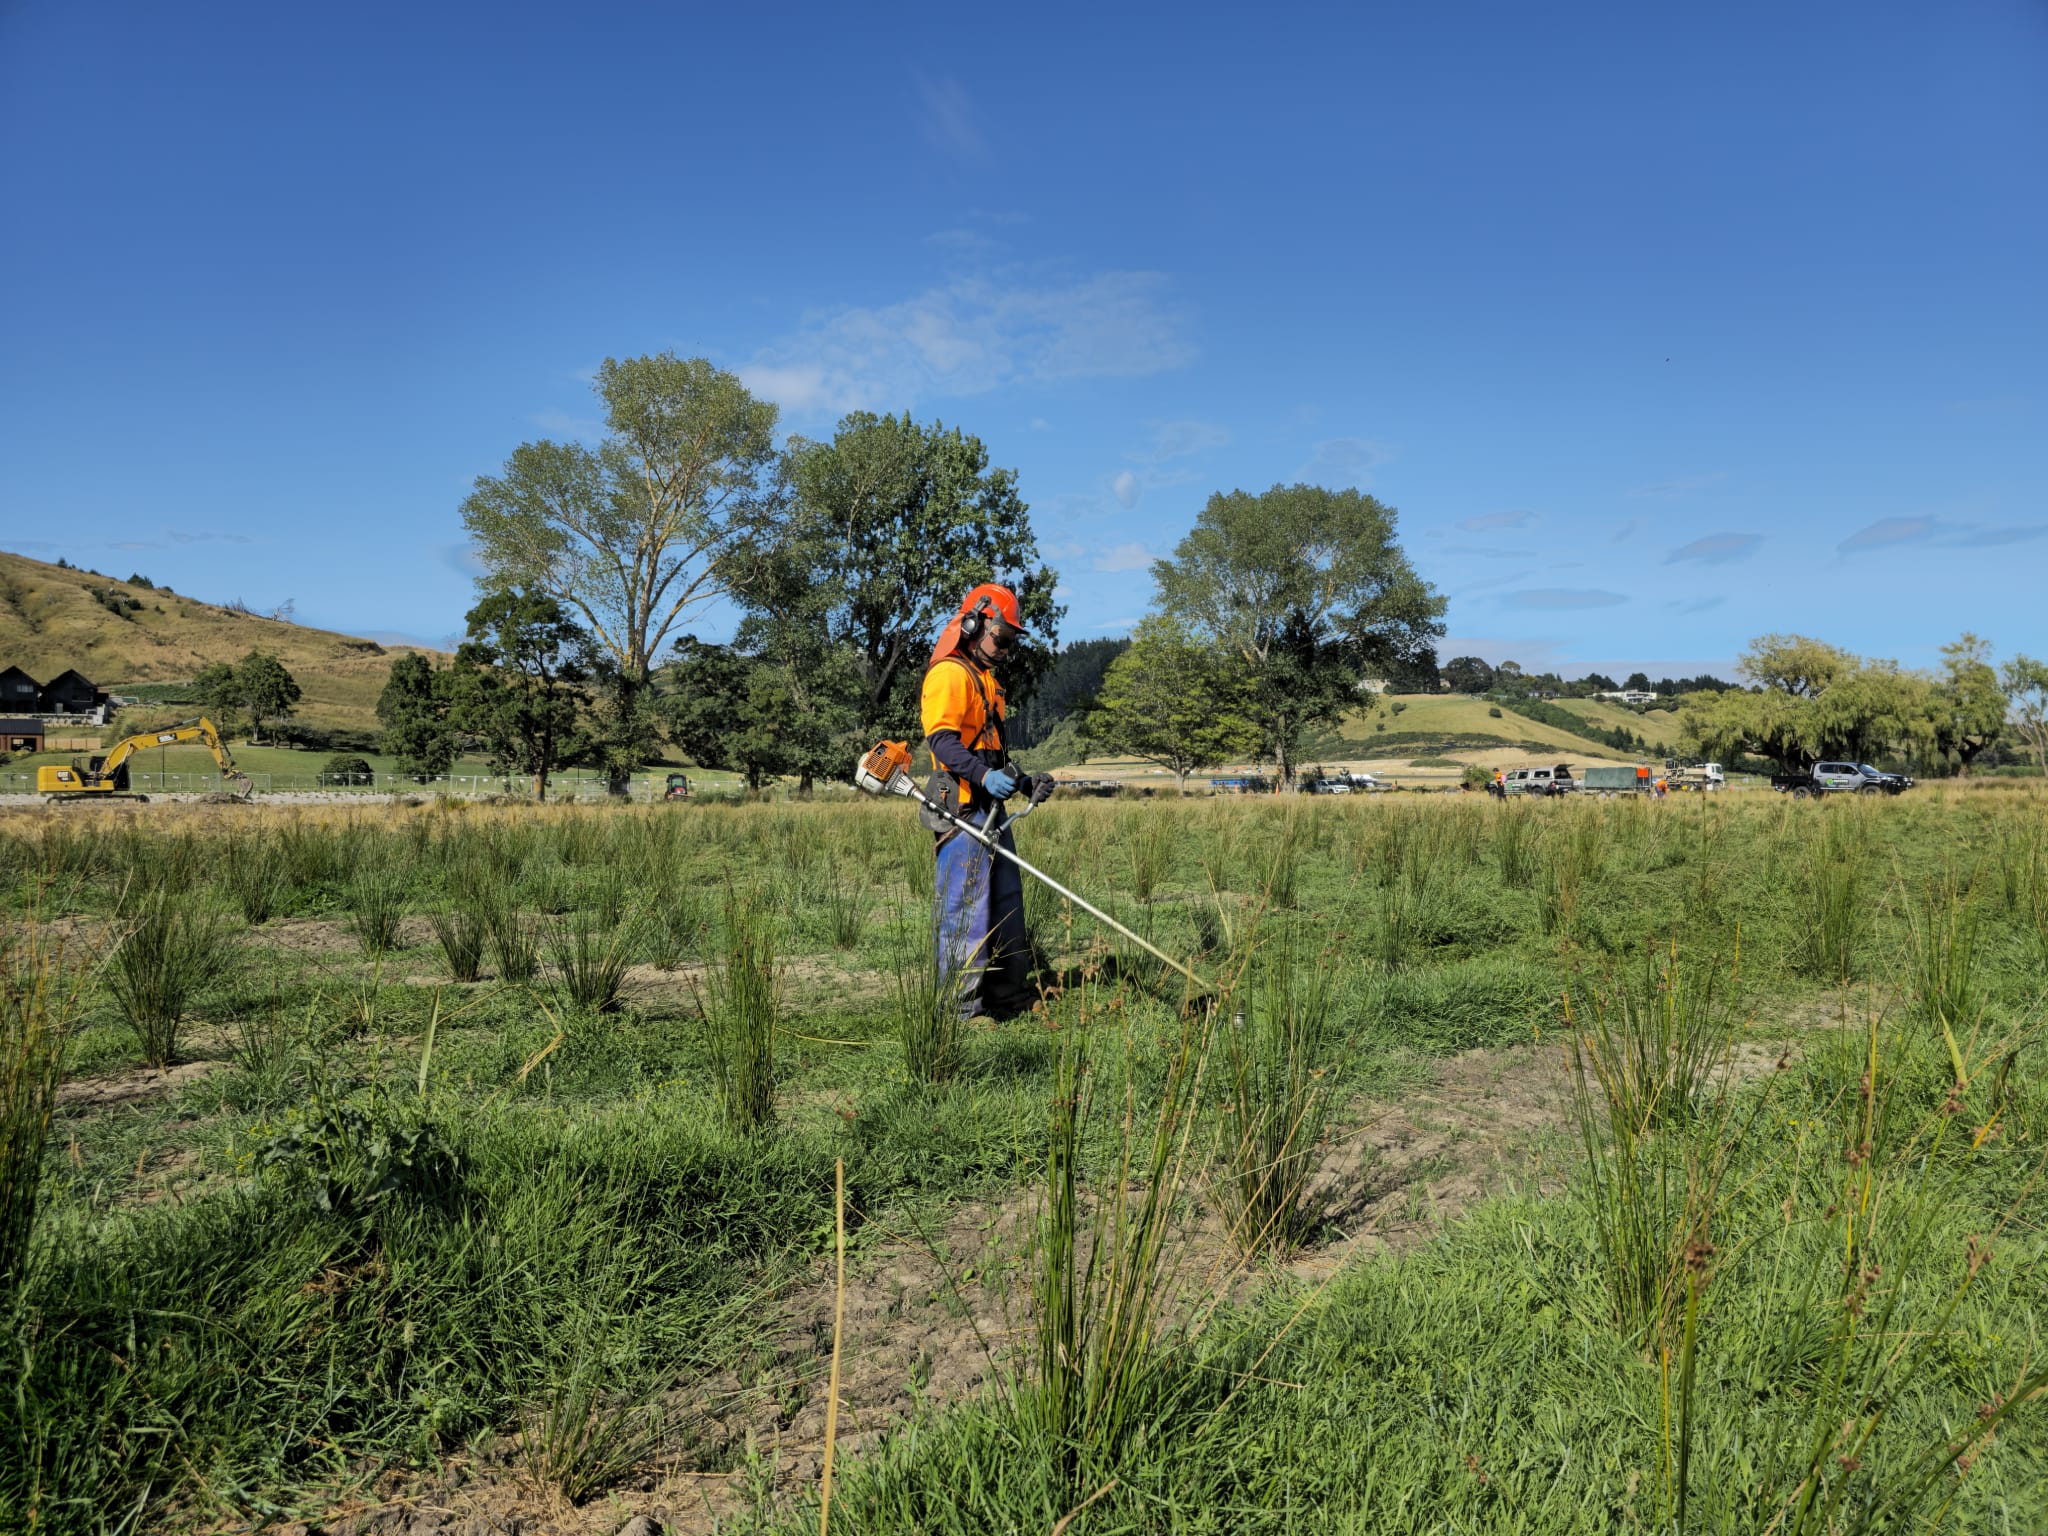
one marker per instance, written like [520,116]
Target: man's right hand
[1000,783]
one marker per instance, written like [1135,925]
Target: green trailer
[1628,779]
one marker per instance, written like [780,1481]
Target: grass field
[1546,1167]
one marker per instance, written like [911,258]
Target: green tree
[415,710]
[1467,674]
[219,694]
[2026,686]
[1174,700]
[518,684]
[728,711]
[266,690]
[893,522]
[1813,701]
[630,537]
[1968,704]
[1310,590]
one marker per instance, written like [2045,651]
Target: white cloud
[970,336]
[1125,488]
[1124,557]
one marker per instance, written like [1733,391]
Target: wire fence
[570,786]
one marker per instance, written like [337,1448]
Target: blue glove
[1000,783]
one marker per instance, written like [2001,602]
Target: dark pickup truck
[1839,779]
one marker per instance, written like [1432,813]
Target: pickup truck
[1840,778]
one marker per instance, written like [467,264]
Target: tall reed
[928,1022]
[745,987]
[1941,947]
[39,997]
[253,875]
[171,952]
[1276,1099]
[1101,1265]
[376,898]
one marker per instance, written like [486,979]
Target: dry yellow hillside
[52,618]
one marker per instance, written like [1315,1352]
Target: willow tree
[631,535]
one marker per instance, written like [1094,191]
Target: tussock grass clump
[1829,917]
[927,1007]
[171,952]
[591,959]
[674,925]
[515,944]
[1941,951]
[1277,1092]
[38,999]
[253,875]
[846,901]
[745,987]
[376,907]
[1147,835]
[1514,852]
[463,935]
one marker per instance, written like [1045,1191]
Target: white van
[1554,780]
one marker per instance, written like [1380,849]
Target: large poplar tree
[1311,591]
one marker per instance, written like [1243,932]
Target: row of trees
[1474,675]
[1814,702]
[842,559]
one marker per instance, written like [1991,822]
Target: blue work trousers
[978,921]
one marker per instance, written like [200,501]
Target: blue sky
[1663,327]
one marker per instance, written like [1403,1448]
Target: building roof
[21,727]
[69,672]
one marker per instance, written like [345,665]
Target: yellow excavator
[106,777]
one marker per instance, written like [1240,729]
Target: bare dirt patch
[134,1083]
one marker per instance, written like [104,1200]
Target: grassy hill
[53,617]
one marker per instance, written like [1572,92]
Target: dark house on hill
[69,693]
[19,691]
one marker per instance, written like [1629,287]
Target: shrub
[173,951]
[348,771]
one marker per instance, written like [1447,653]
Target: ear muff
[975,620]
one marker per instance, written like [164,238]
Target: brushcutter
[886,771]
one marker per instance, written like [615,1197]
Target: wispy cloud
[973,335]
[1550,599]
[183,536]
[1181,440]
[134,544]
[1717,549]
[946,114]
[1694,605]
[1683,485]
[1487,522]
[563,424]
[1125,488]
[1124,557]
[1888,532]
[1344,461]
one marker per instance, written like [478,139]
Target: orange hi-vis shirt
[958,696]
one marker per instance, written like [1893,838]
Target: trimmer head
[885,770]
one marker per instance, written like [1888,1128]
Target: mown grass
[415,1211]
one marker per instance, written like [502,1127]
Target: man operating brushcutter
[978,899]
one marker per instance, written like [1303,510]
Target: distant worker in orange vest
[977,899]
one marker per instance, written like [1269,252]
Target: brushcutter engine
[885,770]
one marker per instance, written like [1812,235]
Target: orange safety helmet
[980,605]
